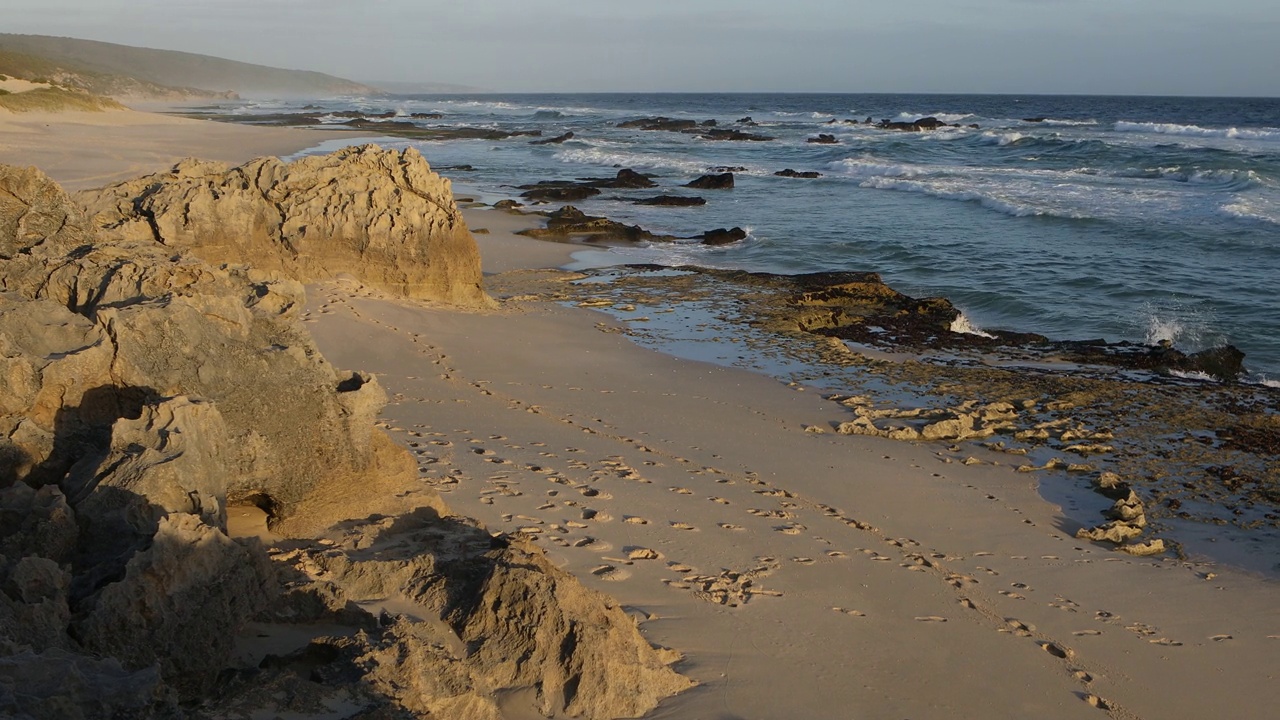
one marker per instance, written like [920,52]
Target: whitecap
[604,156]
[1231,133]
[963,325]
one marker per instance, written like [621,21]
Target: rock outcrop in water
[145,391]
[381,215]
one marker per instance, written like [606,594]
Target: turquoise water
[1126,218]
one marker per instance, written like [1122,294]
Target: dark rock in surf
[807,174]
[723,236]
[555,140]
[555,192]
[733,135]
[823,139]
[626,178]
[1034,119]
[924,123]
[660,123]
[672,201]
[747,121]
[507,205]
[569,222]
[723,181]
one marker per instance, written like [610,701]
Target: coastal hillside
[123,71]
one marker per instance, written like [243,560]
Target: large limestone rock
[380,215]
[142,390]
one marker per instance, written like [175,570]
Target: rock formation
[383,216]
[146,390]
[722,181]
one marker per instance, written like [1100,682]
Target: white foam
[1068,123]
[964,326]
[1253,207]
[1269,134]
[604,156]
[1193,375]
[949,118]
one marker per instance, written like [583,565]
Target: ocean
[1125,218]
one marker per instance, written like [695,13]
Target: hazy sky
[1176,47]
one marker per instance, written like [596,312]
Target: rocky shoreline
[1102,416]
[155,381]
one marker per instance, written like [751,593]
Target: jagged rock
[570,221]
[553,141]
[556,193]
[60,685]
[524,623]
[806,174]
[180,604]
[960,427]
[723,181]
[823,139]
[383,216]
[723,236]
[1154,546]
[148,389]
[1112,532]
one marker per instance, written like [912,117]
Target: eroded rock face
[144,390]
[380,215]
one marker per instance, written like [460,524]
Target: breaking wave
[1269,134]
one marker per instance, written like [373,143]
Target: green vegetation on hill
[55,99]
[110,69]
[35,68]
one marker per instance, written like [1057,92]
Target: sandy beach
[802,573]
[91,149]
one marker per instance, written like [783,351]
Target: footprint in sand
[847,611]
[730,526]
[682,526]
[1097,702]
[1013,595]
[1084,633]
[594,493]
[837,554]
[1166,642]
[1056,650]
[633,520]
[803,560]
[679,567]
[790,529]
[680,490]
[610,572]
[1220,638]
[1020,628]
[931,618]
[718,500]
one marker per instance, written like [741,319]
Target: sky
[1149,47]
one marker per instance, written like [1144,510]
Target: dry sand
[91,149]
[870,579]
[803,574]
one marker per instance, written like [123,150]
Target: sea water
[1124,218]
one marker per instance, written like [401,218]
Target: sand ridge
[803,574]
